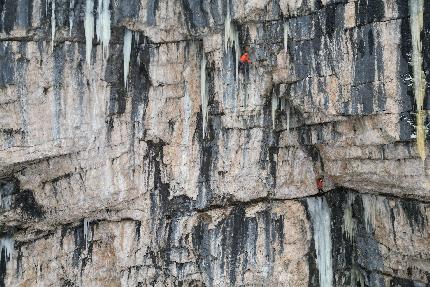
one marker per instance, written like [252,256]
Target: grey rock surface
[134,152]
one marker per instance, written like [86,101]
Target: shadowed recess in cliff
[7,69]
[269,146]
[151,11]
[357,253]
[159,189]
[126,10]
[12,197]
[369,11]
[208,141]
[8,10]
[140,83]
[368,73]
[137,54]
[237,236]
[195,14]
[83,249]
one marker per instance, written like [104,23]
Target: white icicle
[227,28]
[7,244]
[86,226]
[274,108]
[128,37]
[349,226]
[136,35]
[103,26]
[72,16]
[89,29]
[237,50]
[369,210]
[282,104]
[320,215]
[52,24]
[203,93]
[231,38]
[372,208]
[286,37]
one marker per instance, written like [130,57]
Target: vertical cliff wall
[135,152]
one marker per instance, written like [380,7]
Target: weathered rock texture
[193,174]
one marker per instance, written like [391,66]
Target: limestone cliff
[134,152]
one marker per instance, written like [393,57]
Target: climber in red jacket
[245,58]
[320,184]
[244,62]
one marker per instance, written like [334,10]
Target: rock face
[135,152]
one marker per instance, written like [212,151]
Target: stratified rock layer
[134,152]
